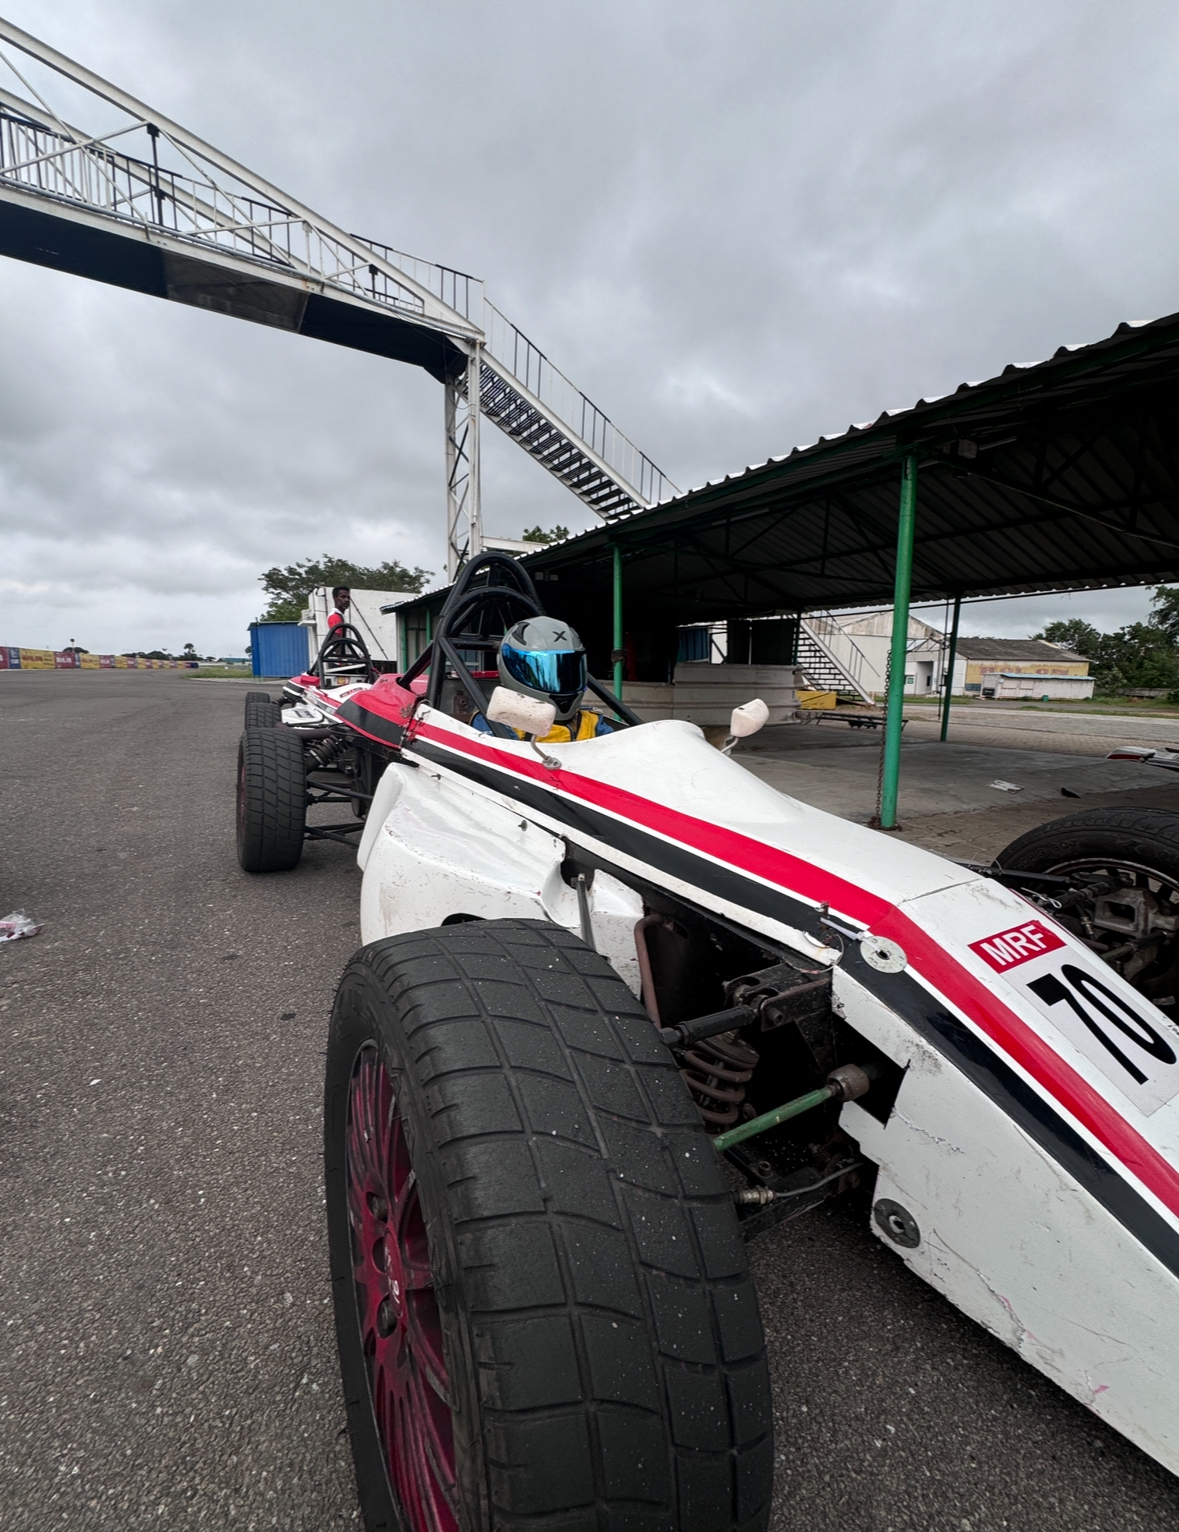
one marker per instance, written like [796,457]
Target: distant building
[1019,667]
[862,640]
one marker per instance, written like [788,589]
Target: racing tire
[271,800]
[1146,840]
[261,713]
[543,1302]
[1146,836]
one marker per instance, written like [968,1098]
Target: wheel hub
[396,1304]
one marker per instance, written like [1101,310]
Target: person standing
[341,601]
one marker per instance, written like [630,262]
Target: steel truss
[464,531]
[226,240]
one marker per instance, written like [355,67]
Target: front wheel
[543,1303]
[1129,858]
[271,800]
[261,712]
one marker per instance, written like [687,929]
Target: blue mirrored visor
[560,672]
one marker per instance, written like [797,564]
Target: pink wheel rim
[397,1305]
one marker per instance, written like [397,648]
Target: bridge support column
[619,656]
[464,522]
[951,656]
[894,721]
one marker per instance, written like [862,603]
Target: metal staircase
[824,669]
[165,214]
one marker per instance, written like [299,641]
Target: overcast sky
[736,227]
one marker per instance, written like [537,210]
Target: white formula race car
[621,1006]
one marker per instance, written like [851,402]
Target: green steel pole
[906,516]
[950,665]
[429,625]
[619,634]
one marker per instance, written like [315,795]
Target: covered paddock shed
[1056,475]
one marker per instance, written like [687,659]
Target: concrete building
[861,640]
[1019,667]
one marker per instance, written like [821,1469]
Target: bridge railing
[42,155]
[193,207]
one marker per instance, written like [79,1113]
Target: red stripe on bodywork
[1007,1030]
[1035,1056]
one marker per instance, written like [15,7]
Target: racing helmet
[542,657]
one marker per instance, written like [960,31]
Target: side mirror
[528,714]
[749,718]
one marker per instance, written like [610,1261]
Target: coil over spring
[716,1070]
[324,751]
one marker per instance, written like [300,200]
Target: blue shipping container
[278,648]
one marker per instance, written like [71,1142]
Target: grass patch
[225,673]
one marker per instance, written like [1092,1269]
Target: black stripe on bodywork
[972,1055]
[374,724]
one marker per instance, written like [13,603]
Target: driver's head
[542,657]
[342,596]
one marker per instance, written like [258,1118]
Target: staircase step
[552,447]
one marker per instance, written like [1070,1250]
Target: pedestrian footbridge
[112,190]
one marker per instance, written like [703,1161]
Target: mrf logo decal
[1019,945]
[1134,1045]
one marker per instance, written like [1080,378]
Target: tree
[1073,633]
[1165,615]
[1142,654]
[190,652]
[290,587]
[537,534]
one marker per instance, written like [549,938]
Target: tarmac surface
[1038,755]
[166,1352]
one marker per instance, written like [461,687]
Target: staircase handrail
[826,621]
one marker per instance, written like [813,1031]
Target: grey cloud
[735,227]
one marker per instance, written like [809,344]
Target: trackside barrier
[65,659]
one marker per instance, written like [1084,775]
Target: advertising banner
[12,658]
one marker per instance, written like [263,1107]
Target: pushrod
[894,721]
[780,1114]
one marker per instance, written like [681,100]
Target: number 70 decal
[1130,1050]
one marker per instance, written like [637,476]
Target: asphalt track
[166,1355]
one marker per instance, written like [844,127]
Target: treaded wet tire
[1144,843]
[1148,837]
[576,1251]
[271,800]
[262,713]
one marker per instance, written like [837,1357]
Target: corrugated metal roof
[890,416]
[1056,475]
[1007,649]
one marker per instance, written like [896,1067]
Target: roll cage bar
[343,655]
[491,593]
